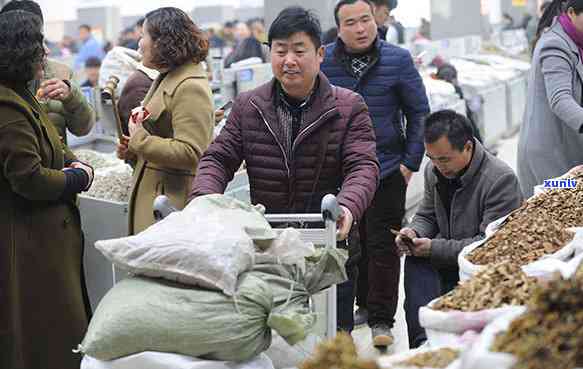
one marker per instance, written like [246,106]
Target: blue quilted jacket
[394,92]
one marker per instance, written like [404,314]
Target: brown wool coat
[42,310]
[171,142]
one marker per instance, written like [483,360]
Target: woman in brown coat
[43,310]
[174,126]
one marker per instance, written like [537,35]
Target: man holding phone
[386,77]
[466,188]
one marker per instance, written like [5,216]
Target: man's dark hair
[86,27]
[26,5]
[229,24]
[92,62]
[21,45]
[140,22]
[342,3]
[293,20]
[177,39]
[448,123]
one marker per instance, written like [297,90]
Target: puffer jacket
[337,119]
[394,92]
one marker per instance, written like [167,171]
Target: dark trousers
[423,283]
[345,300]
[362,281]
[386,212]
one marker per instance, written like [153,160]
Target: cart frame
[323,236]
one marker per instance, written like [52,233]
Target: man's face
[242,31]
[381,14]
[357,27]
[83,34]
[92,74]
[448,160]
[295,62]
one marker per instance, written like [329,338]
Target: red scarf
[572,31]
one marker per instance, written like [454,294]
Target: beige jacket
[171,142]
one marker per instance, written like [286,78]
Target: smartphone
[227,106]
[408,241]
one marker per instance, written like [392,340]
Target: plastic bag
[208,244]
[143,314]
[479,355]
[163,360]
[456,321]
[120,62]
[288,248]
[284,355]
[536,269]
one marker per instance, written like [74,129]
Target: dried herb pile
[114,185]
[96,159]
[338,353]
[550,333]
[562,205]
[434,359]
[579,273]
[496,286]
[522,240]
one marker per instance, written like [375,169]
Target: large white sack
[208,244]
[163,360]
[479,355]
[456,321]
[536,269]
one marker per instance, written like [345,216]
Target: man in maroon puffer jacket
[300,138]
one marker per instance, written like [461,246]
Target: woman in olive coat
[43,305]
[174,126]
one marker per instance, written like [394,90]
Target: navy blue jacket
[393,90]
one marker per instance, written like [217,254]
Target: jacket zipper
[275,137]
[325,115]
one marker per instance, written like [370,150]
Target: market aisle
[507,150]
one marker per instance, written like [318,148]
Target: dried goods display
[96,159]
[496,286]
[337,353]
[562,205]
[549,334]
[579,273]
[434,359]
[112,184]
[523,240]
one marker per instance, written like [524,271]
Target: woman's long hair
[555,8]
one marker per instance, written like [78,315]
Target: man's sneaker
[360,316]
[381,335]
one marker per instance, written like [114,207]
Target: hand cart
[325,301]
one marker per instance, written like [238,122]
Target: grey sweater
[489,190]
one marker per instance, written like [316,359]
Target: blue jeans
[423,283]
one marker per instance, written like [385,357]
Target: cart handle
[162,207]
[330,208]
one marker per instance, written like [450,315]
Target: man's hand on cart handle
[344,223]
